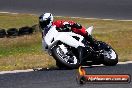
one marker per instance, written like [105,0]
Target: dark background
[115,9]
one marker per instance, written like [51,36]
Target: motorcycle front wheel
[110,57]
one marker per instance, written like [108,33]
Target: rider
[46,22]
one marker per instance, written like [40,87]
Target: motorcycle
[71,50]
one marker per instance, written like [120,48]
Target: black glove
[66,27]
[76,25]
[59,29]
[63,29]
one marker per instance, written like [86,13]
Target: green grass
[23,53]
[26,52]
[17,20]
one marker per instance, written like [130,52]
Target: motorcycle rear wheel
[58,54]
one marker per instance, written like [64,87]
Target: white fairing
[64,37]
[89,30]
[50,35]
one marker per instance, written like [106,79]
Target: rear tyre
[63,59]
[59,65]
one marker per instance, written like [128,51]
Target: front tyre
[110,57]
[68,61]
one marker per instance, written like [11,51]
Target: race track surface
[110,9]
[62,78]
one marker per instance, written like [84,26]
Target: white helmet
[45,20]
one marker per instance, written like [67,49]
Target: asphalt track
[62,78]
[110,9]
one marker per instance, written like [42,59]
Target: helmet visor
[44,24]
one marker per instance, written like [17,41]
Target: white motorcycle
[71,50]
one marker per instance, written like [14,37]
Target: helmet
[76,25]
[45,20]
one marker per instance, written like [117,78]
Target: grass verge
[25,52]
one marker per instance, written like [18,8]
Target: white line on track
[96,18]
[127,62]
[30,70]
[15,71]
[71,17]
[9,12]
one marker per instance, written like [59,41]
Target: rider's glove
[66,27]
[77,26]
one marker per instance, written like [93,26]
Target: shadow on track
[56,68]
